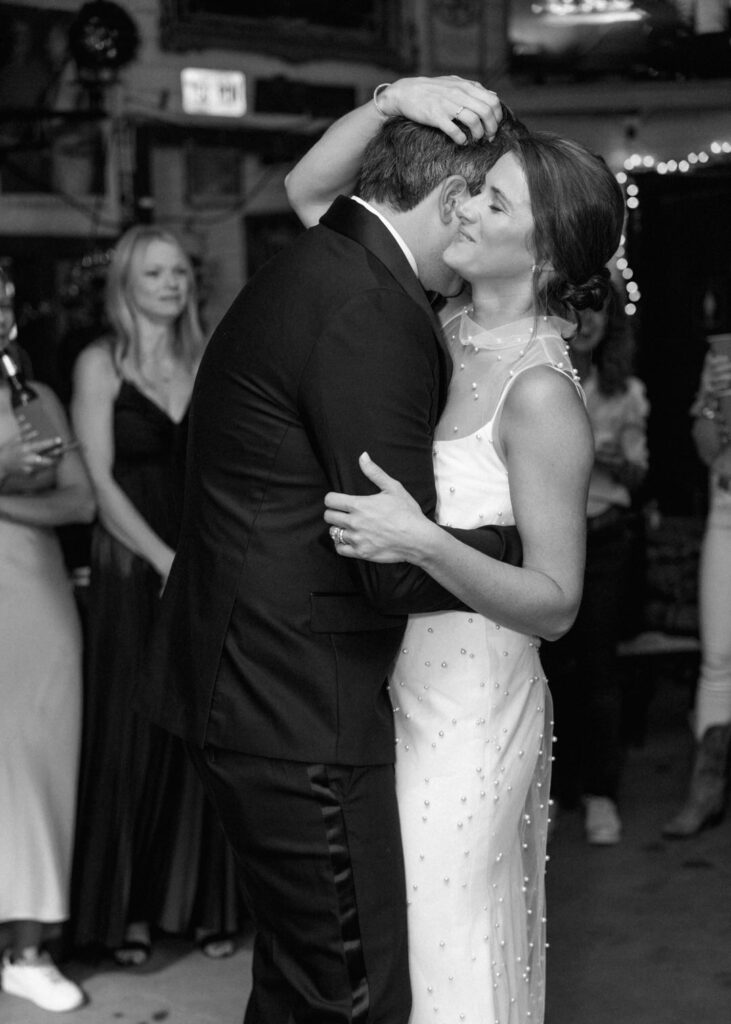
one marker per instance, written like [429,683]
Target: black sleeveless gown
[148,846]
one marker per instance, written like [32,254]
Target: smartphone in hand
[56,447]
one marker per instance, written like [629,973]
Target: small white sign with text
[214,93]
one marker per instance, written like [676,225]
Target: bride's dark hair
[578,214]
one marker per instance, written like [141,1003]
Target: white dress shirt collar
[404,247]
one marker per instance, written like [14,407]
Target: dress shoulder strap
[572,376]
[549,351]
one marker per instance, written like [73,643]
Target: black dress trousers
[321,865]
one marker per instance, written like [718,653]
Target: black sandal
[217,946]
[132,953]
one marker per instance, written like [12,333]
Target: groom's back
[245,653]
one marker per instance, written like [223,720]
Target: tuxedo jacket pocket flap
[348,613]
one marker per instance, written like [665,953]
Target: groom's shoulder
[322,262]
[337,259]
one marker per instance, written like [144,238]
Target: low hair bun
[591,294]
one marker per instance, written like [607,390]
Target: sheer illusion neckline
[470,333]
[487,360]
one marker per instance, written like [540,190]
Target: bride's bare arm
[548,446]
[332,165]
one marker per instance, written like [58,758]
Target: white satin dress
[40,717]
[473,721]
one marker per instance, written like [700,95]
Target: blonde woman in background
[141,806]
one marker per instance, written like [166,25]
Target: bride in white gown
[473,721]
[473,713]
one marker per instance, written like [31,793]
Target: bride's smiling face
[495,227]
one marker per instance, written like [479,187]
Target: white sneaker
[38,979]
[601,822]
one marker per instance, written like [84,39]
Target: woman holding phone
[43,484]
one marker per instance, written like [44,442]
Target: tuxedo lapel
[356,222]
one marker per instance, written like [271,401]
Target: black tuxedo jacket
[269,642]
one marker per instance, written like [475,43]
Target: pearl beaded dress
[473,722]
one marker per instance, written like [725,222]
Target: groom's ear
[451,192]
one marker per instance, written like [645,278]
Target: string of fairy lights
[637,164]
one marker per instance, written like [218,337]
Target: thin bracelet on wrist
[376,95]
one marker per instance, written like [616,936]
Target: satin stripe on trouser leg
[326,789]
[320,860]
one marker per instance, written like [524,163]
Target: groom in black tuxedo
[273,652]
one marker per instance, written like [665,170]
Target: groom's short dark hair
[406,161]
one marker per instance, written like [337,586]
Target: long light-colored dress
[473,720]
[40,718]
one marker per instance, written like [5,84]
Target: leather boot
[705,802]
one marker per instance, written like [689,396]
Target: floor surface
[639,933]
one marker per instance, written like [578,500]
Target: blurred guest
[140,805]
[24,73]
[25,76]
[705,801]
[582,666]
[43,484]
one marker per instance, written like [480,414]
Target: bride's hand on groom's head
[449,103]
